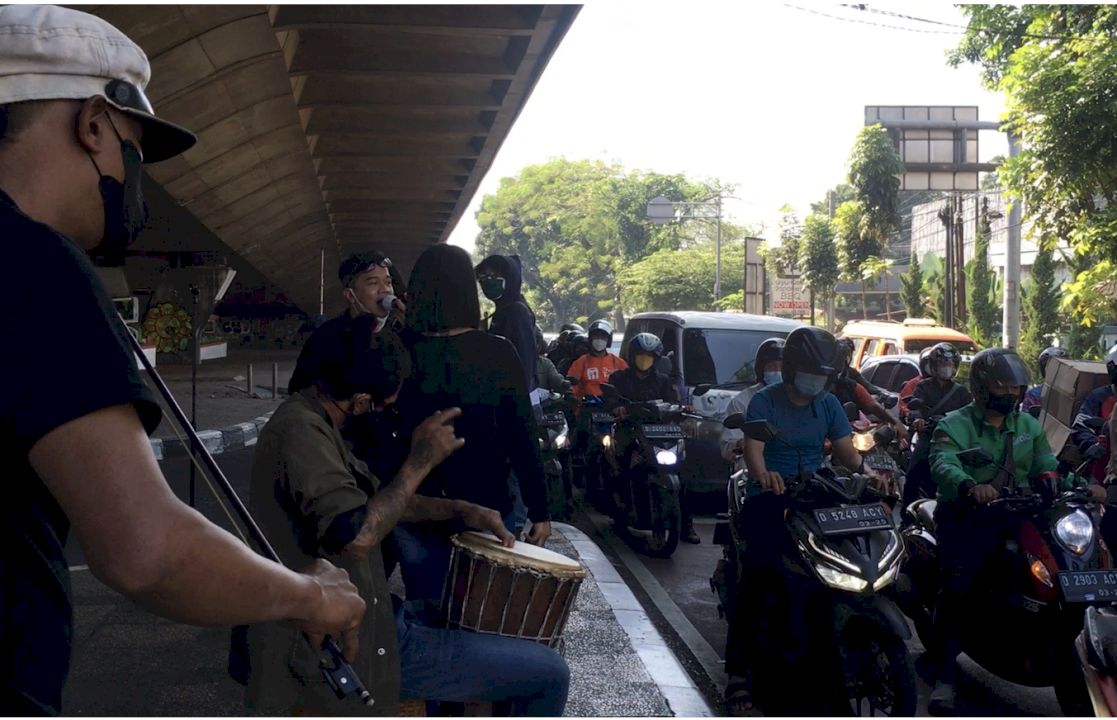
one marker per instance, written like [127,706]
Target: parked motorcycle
[554,448]
[1049,569]
[643,453]
[849,554]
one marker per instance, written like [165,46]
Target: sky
[761,95]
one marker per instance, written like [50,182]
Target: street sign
[790,297]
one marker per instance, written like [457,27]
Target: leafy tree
[1041,309]
[874,169]
[982,305]
[911,292]
[839,194]
[856,245]
[934,280]
[1057,65]
[784,258]
[684,279]
[819,258]
[575,224]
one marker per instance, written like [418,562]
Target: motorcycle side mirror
[735,421]
[889,401]
[976,457]
[1096,452]
[571,379]
[916,404]
[852,413]
[1034,411]
[700,390]
[762,430]
[609,391]
[664,365]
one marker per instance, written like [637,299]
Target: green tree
[983,307]
[575,224]
[819,258]
[1057,66]
[1041,309]
[784,258]
[857,246]
[911,291]
[874,170]
[838,194]
[684,279]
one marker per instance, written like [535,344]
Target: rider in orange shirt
[598,364]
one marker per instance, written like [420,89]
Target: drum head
[522,555]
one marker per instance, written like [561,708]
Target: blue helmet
[644,342]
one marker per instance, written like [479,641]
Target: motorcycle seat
[924,512]
[1101,637]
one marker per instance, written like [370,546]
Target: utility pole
[831,206]
[960,260]
[717,268]
[1011,318]
[946,215]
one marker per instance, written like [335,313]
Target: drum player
[314,499]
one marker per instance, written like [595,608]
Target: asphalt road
[680,587]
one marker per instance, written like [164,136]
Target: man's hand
[877,481]
[620,412]
[1097,492]
[483,518]
[771,480]
[399,311]
[539,533]
[984,493]
[339,610]
[901,432]
[434,440]
[919,425]
[739,448]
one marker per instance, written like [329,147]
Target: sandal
[738,698]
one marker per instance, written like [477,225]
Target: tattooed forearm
[421,508]
[385,509]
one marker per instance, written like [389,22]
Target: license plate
[853,519]
[880,461]
[602,418]
[1089,585]
[554,418]
[663,431]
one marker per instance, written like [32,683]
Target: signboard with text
[790,297]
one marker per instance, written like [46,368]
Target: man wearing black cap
[368,286]
[75,128]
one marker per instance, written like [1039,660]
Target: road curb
[227,439]
[674,683]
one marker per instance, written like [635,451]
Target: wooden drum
[524,591]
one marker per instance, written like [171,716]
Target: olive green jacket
[304,476]
[966,428]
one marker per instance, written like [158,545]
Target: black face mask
[1001,404]
[125,209]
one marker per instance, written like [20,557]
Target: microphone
[387,302]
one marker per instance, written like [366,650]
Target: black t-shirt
[481,374]
[653,386]
[67,355]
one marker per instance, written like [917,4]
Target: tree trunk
[864,302]
[887,299]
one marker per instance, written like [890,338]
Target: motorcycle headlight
[607,441]
[666,457]
[562,441]
[864,442]
[840,580]
[1075,531]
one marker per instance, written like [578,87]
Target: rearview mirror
[700,390]
[852,413]
[889,401]
[1096,452]
[664,364]
[761,430]
[916,404]
[735,421]
[571,379]
[975,457]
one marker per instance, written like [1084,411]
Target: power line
[873,24]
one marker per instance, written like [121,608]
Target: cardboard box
[1066,385]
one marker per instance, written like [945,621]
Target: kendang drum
[524,591]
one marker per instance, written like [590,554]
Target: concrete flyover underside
[335,127]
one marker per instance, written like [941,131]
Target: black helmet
[1047,355]
[573,326]
[603,327]
[768,351]
[580,342]
[1111,364]
[996,365]
[644,342]
[943,353]
[925,361]
[809,350]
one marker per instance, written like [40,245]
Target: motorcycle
[848,557]
[586,456]
[554,448]
[918,410]
[1049,569]
[643,454]
[879,447]
[1096,646]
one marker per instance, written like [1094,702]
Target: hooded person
[501,280]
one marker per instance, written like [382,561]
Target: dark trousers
[968,541]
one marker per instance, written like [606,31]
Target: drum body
[523,592]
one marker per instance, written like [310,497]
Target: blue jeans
[463,666]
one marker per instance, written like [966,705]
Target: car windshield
[722,357]
[914,346]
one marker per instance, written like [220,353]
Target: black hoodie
[513,318]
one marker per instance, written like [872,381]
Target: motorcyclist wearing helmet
[909,387]
[547,374]
[641,381]
[806,416]
[767,367]
[940,394]
[577,346]
[1098,404]
[967,539]
[596,366]
[1033,396]
[849,386]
